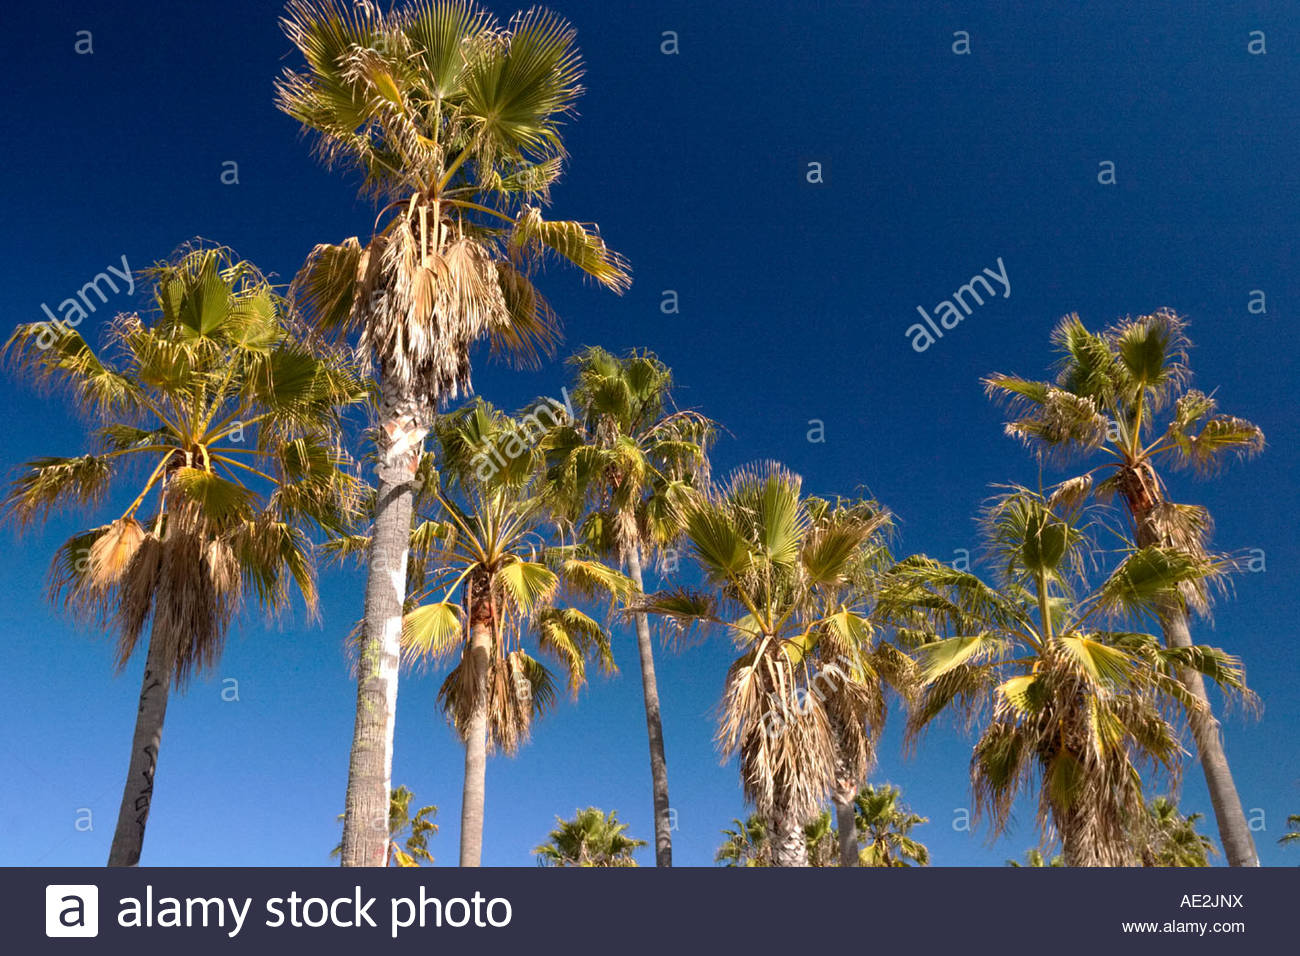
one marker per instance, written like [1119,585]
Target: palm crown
[485,552]
[1063,694]
[591,838]
[885,826]
[217,509]
[629,462]
[454,122]
[1108,395]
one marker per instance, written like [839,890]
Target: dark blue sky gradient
[794,301]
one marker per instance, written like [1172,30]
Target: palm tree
[746,843]
[1062,697]
[229,418]
[778,579]
[590,839]
[1170,839]
[1110,389]
[1035,858]
[623,468]
[453,122]
[1293,825]
[885,825]
[495,575]
[417,830]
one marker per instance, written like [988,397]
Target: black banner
[578,911]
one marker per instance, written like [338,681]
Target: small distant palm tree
[1107,398]
[822,840]
[1065,699]
[884,826]
[1292,824]
[454,122]
[1035,858]
[590,839]
[622,470]
[1170,839]
[417,830]
[746,843]
[220,425]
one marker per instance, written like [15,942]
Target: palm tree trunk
[473,796]
[137,795]
[653,722]
[1234,831]
[844,793]
[846,822]
[1073,850]
[789,848]
[1141,494]
[370,770]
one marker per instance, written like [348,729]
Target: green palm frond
[527,584]
[432,631]
[1152,351]
[578,243]
[97,388]
[1218,436]
[48,484]
[1150,575]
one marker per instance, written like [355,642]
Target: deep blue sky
[794,301]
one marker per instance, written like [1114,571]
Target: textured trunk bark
[473,795]
[1073,852]
[137,795]
[403,425]
[653,722]
[846,822]
[789,848]
[1234,831]
[844,793]
[1141,494]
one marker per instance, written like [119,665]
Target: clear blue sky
[794,301]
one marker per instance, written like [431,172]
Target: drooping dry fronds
[113,551]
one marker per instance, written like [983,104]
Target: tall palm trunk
[843,794]
[1141,494]
[653,722]
[479,658]
[846,822]
[403,424]
[789,848]
[137,795]
[1234,831]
